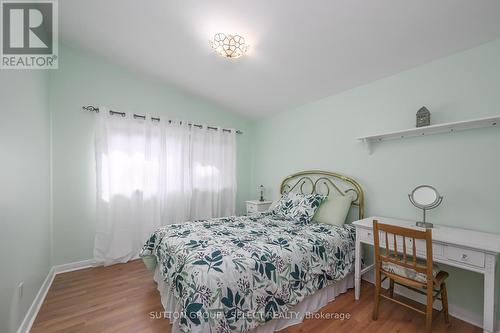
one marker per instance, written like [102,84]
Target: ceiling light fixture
[229,46]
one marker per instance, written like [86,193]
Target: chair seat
[408,272]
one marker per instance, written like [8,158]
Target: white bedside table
[256,206]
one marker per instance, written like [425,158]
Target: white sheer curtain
[153,173]
[213,172]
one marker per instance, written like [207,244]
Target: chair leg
[377,292]
[428,312]
[391,288]
[444,301]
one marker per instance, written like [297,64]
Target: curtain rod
[111,112]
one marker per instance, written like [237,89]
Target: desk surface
[483,241]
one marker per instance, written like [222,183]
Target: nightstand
[256,206]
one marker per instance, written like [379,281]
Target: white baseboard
[454,310]
[74,266]
[30,317]
[37,303]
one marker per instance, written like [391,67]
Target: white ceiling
[300,50]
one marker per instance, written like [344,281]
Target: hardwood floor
[119,298]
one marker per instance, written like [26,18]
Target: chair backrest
[399,243]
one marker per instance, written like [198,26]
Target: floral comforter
[233,274]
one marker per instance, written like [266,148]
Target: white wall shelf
[429,130]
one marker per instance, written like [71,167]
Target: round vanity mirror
[425,197]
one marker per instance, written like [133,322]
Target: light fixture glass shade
[229,46]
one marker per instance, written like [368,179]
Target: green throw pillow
[334,210]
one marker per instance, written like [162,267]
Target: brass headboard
[324,182]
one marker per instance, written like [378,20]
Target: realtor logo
[29,34]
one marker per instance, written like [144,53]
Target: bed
[256,273]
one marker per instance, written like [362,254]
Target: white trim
[454,310]
[37,303]
[74,266]
[30,316]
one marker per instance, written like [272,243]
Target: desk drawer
[437,249]
[365,235]
[252,208]
[469,257]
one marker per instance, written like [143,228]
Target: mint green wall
[81,80]
[319,135]
[24,199]
[463,166]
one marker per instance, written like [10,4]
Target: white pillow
[273,206]
[334,210]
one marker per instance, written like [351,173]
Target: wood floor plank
[120,298]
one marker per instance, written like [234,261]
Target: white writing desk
[467,249]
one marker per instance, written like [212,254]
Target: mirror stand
[423,223]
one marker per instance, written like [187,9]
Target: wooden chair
[403,269]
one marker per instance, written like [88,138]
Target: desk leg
[357,267]
[489,319]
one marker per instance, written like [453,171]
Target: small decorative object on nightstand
[423,117]
[261,192]
[257,206]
